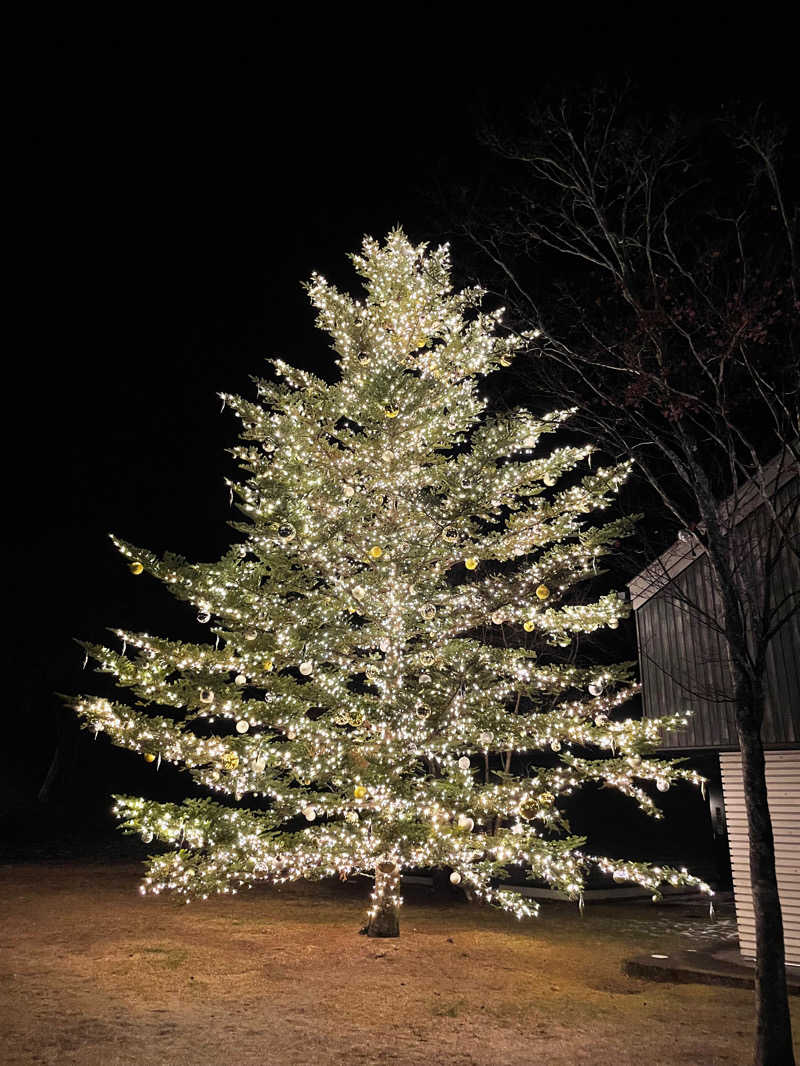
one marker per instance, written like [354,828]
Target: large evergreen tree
[391,626]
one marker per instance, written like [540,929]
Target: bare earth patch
[94,973]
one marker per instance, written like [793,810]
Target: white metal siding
[783,795]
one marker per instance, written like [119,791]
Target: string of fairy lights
[384,636]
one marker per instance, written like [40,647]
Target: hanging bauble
[351,816]
[359,592]
[464,763]
[307,668]
[455,878]
[427,658]
[530,442]
[250,634]
[485,739]
[260,764]
[359,792]
[596,688]
[662,784]
[428,611]
[240,679]
[384,644]
[309,814]
[542,592]
[230,760]
[242,725]
[371,671]
[614,623]
[635,760]
[387,456]
[135,568]
[203,617]
[600,719]
[619,876]
[348,491]
[471,563]
[267,666]
[375,551]
[206,695]
[363,358]
[555,745]
[149,757]
[423,712]
[388,866]
[547,799]
[391,412]
[498,617]
[286,532]
[528,626]
[450,534]
[465,822]
[425,679]
[549,480]
[268,445]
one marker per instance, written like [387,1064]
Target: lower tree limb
[383,915]
[773,1025]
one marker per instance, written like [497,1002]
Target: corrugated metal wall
[783,792]
[684,662]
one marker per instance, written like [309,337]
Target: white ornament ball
[250,634]
[485,739]
[147,835]
[498,617]
[619,876]
[203,617]
[348,491]
[600,719]
[242,725]
[555,745]
[425,679]
[464,763]
[359,592]
[455,878]
[428,611]
[634,760]
[549,480]
[309,814]
[595,688]
[240,679]
[385,644]
[662,784]
[351,816]
[260,764]
[306,668]
[529,442]
[206,696]
[465,822]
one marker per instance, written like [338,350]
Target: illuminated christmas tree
[390,630]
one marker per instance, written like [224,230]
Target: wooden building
[684,665]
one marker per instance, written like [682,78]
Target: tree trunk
[383,914]
[773,1045]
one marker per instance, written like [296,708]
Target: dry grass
[93,973]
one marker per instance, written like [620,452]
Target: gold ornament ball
[359,792]
[528,626]
[230,760]
[427,658]
[451,534]
[428,611]
[543,592]
[136,568]
[471,563]
[149,757]
[375,551]
[267,666]
[391,412]
[242,725]
[287,532]
[547,799]
[455,877]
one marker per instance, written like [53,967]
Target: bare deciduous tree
[672,324]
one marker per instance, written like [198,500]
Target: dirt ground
[94,973]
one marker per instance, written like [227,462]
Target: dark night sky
[171,190]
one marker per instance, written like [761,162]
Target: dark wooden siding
[684,661]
